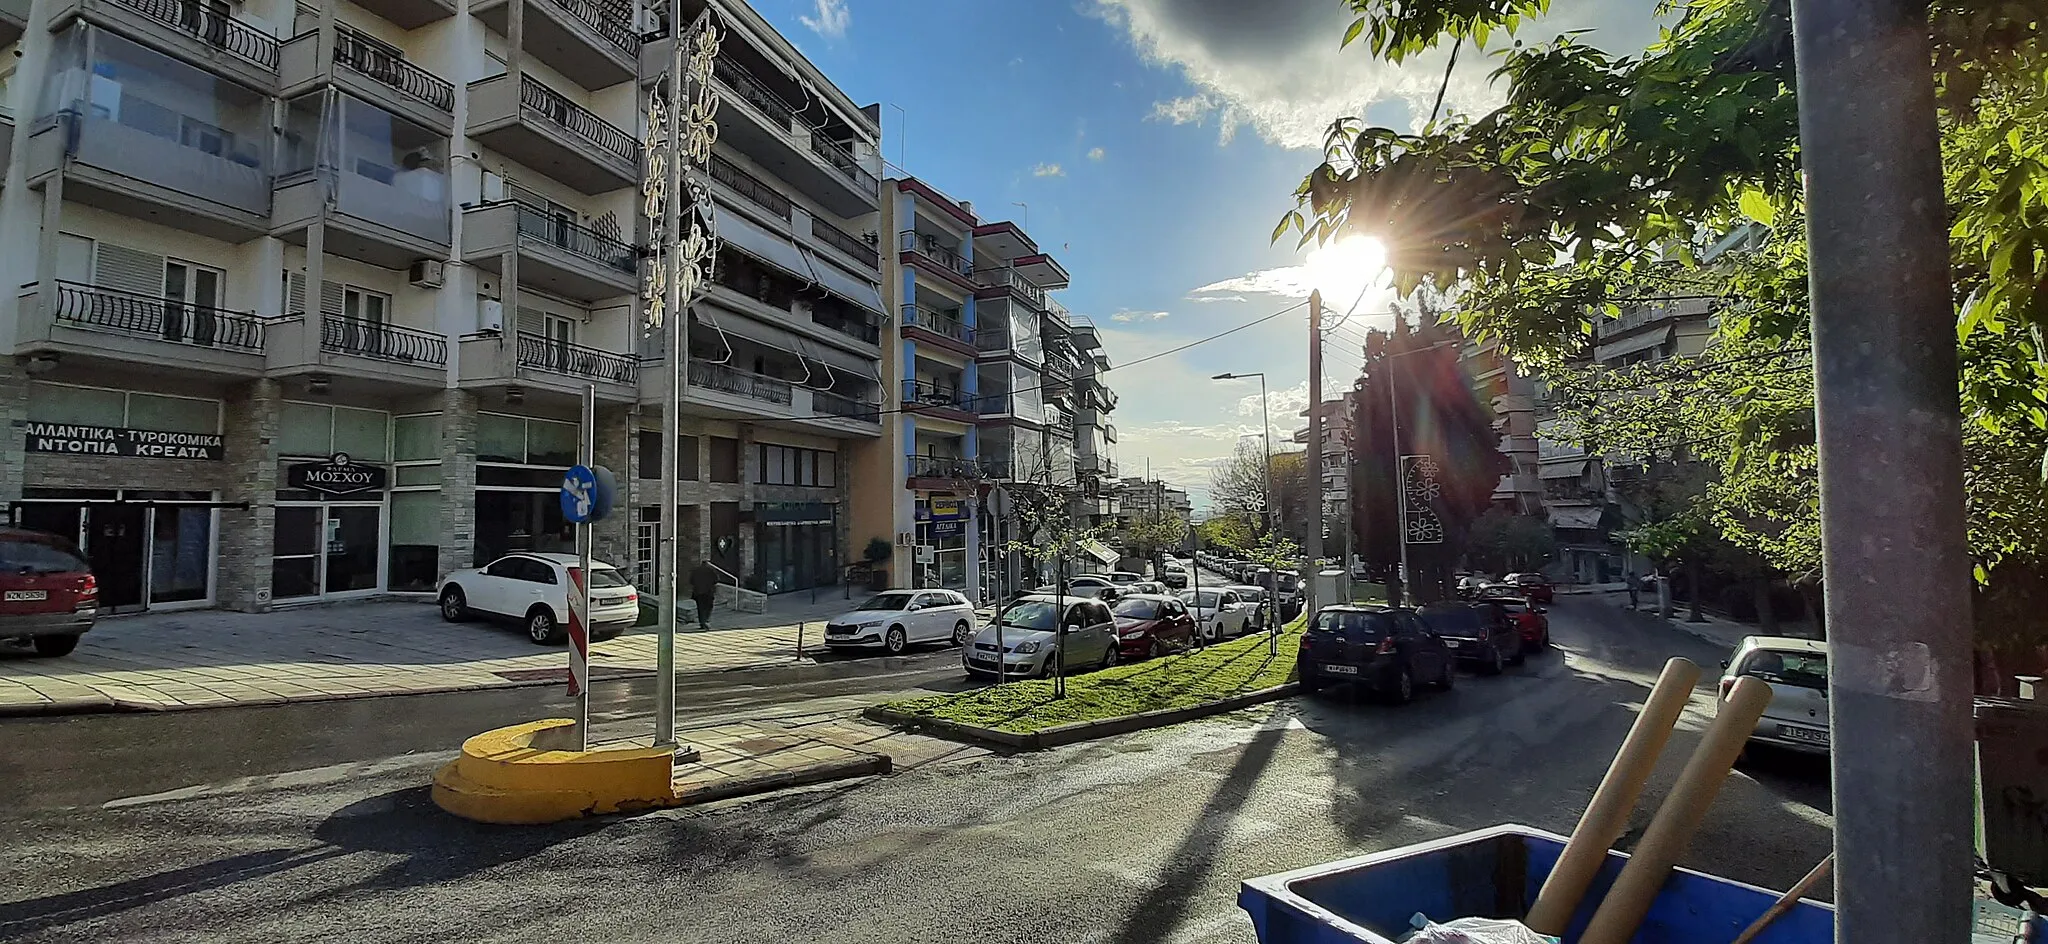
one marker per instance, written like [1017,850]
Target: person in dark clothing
[704,589]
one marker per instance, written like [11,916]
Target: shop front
[519,463]
[798,545]
[942,523]
[329,540]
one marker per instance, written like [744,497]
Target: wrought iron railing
[752,91]
[845,242]
[156,317]
[945,256]
[729,379]
[578,240]
[749,186]
[613,21]
[925,393]
[363,338]
[214,28]
[852,322]
[576,119]
[942,467]
[841,159]
[938,323]
[561,357]
[371,59]
[1004,276]
[836,404]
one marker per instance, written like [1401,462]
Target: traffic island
[1150,694]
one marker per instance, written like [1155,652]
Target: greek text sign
[339,475]
[70,439]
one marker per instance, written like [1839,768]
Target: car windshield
[1452,620]
[1206,599]
[1130,608]
[887,601]
[35,557]
[606,578]
[1252,594]
[1288,582]
[1032,614]
[1802,669]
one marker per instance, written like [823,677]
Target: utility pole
[1891,472]
[1398,593]
[675,348]
[1315,457]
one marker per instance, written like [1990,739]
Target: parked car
[1255,597]
[1797,671]
[1481,634]
[899,618]
[1150,625]
[1531,619]
[48,595]
[1174,579]
[1153,587]
[1122,577]
[534,589]
[1174,567]
[1389,652]
[1535,586]
[1219,612]
[1089,585]
[1031,638]
[1469,585]
[1285,588]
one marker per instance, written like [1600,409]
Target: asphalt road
[1141,838]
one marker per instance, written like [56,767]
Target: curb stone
[1082,730]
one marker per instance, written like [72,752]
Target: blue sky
[1156,143]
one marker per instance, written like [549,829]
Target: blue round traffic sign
[586,494]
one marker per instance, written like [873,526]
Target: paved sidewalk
[1712,629]
[212,658]
[746,757]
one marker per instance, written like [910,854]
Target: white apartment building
[261,241]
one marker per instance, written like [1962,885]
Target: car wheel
[454,606]
[542,628]
[1490,664]
[894,640]
[1449,677]
[1403,689]
[962,634]
[1521,652]
[1110,656]
[54,646]
[1157,650]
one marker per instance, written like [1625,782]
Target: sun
[1346,269]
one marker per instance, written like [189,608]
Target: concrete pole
[1398,594]
[1891,485]
[675,352]
[1315,457]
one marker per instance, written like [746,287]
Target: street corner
[748,758]
[523,775]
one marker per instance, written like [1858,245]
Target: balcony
[223,193]
[848,320]
[409,14]
[13,20]
[539,127]
[852,247]
[190,31]
[762,124]
[371,351]
[939,329]
[1005,409]
[365,70]
[752,188]
[590,43]
[930,399]
[553,254]
[534,361]
[995,282]
[730,380]
[92,322]
[929,469]
[940,260]
[834,404]
[1096,464]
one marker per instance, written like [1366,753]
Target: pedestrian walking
[1634,590]
[704,590]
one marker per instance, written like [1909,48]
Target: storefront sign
[68,439]
[789,514]
[948,529]
[947,509]
[339,475]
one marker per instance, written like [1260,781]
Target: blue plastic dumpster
[1496,873]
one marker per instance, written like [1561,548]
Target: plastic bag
[1475,931]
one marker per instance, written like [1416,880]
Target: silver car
[1797,671]
[1030,638]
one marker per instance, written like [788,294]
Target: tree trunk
[1692,589]
[1814,595]
[1766,617]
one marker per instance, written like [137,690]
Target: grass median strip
[1177,681]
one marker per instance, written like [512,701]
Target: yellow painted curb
[503,777]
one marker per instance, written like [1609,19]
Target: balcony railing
[750,89]
[352,50]
[579,240]
[856,325]
[925,393]
[1004,276]
[561,357]
[726,378]
[943,467]
[613,21]
[937,323]
[842,161]
[910,241]
[214,28]
[845,242]
[364,338]
[156,317]
[749,186]
[834,404]
[1057,369]
[576,119]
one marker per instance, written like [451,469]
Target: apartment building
[1095,466]
[311,293]
[1513,396]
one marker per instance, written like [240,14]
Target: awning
[1575,517]
[1563,468]
[752,329]
[749,237]
[1100,552]
[1641,342]
[844,284]
[837,358]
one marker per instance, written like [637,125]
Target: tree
[1226,532]
[1500,541]
[1051,535]
[1238,487]
[1154,533]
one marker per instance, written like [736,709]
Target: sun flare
[1346,268]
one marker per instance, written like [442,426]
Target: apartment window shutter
[528,197]
[330,297]
[532,322]
[294,293]
[129,270]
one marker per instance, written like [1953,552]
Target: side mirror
[1724,663]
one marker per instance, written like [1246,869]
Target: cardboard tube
[1622,911]
[1607,815]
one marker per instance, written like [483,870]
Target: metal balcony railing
[910,241]
[752,91]
[369,58]
[841,159]
[749,186]
[613,21]
[364,338]
[729,379]
[851,322]
[835,404]
[938,323]
[214,28]
[576,119]
[561,357]
[925,393]
[845,242]
[579,240]
[943,467]
[156,317]
[1006,277]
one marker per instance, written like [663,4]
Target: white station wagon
[534,589]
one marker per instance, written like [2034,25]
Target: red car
[1529,618]
[1533,585]
[1150,625]
[48,596]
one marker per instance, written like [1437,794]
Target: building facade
[312,292]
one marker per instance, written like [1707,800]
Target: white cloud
[1277,66]
[831,20]
[1048,170]
[1284,281]
[1280,404]
[1205,299]
[1128,316]
[1095,154]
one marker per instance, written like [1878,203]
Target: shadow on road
[433,846]
[30,915]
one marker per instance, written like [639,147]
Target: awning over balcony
[838,359]
[759,332]
[1100,552]
[776,249]
[1641,342]
[1575,517]
[1563,468]
[844,284]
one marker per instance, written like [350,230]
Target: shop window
[361,433]
[415,541]
[550,443]
[318,429]
[725,459]
[304,429]
[93,406]
[500,438]
[416,438]
[792,465]
[173,414]
[417,475]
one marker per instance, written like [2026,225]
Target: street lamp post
[1401,474]
[1266,430]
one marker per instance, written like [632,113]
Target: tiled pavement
[737,757]
[210,658]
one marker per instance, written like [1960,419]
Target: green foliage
[1150,534]
[1500,541]
[878,549]
[1226,532]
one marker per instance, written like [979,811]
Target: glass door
[192,295]
[354,539]
[295,565]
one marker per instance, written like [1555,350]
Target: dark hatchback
[1383,651]
[1479,633]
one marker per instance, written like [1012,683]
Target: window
[725,459]
[687,459]
[534,571]
[650,454]
[92,406]
[515,440]
[508,567]
[317,429]
[791,465]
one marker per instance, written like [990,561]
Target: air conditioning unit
[425,273]
[494,187]
[647,23]
[491,316]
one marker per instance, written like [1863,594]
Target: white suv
[534,589]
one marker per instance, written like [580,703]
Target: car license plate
[19,596]
[1450,644]
[1802,734]
[1341,669]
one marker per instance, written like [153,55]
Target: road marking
[312,777]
